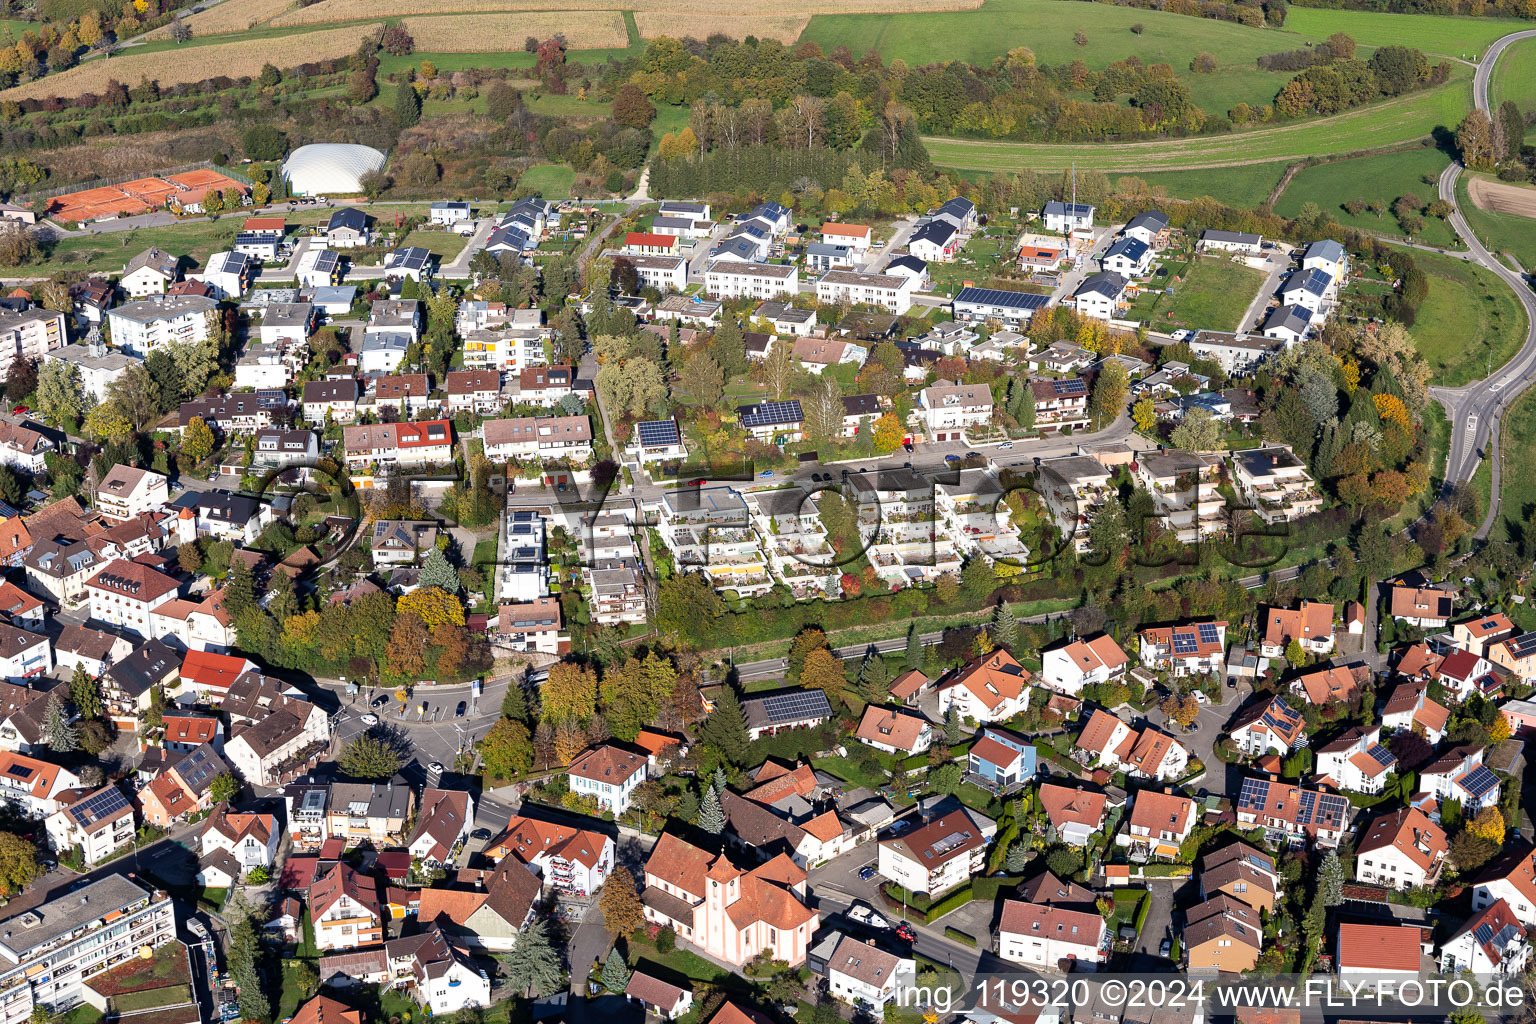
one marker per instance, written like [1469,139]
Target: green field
[568,105]
[1368,178]
[551,181]
[1214,293]
[1378,125]
[1470,320]
[446,245]
[1514,76]
[1244,186]
[1502,232]
[1463,38]
[1517,473]
[1047,27]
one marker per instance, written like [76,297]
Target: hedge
[959,936]
[979,889]
[1141,913]
[1167,871]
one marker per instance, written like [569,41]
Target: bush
[959,936]
[666,940]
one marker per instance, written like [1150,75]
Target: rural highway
[1474,409]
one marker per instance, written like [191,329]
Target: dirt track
[1502,198]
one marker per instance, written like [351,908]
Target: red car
[905,933]
[20,409]
[700,482]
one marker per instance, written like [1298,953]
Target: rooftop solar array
[1184,643]
[657,433]
[796,706]
[1209,634]
[1281,715]
[1070,386]
[1253,794]
[1522,645]
[1480,782]
[1382,756]
[1002,297]
[103,805]
[771,414]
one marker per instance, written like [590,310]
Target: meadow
[1378,125]
[552,181]
[1384,177]
[1245,186]
[344,10]
[1514,77]
[1500,232]
[1213,293]
[1517,477]
[1469,321]
[1461,38]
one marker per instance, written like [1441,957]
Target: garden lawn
[551,181]
[291,997]
[1047,28]
[1214,294]
[1368,178]
[1514,76]
[569,105]
[445,245]
[1376,125]
[1517,474]
[1244,186]
[1464,38]
[846,769]
[1470,320]
[152,998]
[1500,232]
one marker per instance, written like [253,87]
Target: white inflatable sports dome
[325,168]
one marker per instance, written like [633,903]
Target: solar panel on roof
[1382,756]
[1253,794]
[1306,806]
[657,433]
[1184,643]
[767,414]
[1208,633]
[1480,782]
[1002,297]
[1071,386]
[786,707]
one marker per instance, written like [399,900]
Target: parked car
[951,458]
[458,712]
[867,872]
[381,700]
[905,933]
[1166,948]
[480,833]
[369,719]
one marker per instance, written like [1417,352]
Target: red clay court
[142,195]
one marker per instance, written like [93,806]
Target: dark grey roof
[1132,249]
[348,217]
[1292,317]
[227,507]
[1102,283]
[145,667]
[939,232]
[1152,220]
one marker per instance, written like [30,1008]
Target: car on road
[1179,335]
[381,700]
[480,833]
[435,766]
[369,719]
[765,474]
[951,458]
[20,409]
[1231,682]
[1006,445]
[908,446]
[905,933]
[973,455]
[458,712]
[700,482]
[867,872]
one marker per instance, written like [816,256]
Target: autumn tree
[1109,394]
[824,671]
[1474,138]
[1182,709]
[507,749]
[619,901]
[1489,825]
[569,694]
[631,108]
[197,440]
[888,433]
[1198,431]
[1144,412]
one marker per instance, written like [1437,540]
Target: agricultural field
[1405,119]
[1514,76]
[1461,38]
[1373,178]
[1470,320]
[1500,232]
[1517,476]
[1212,292]
[348,10]
[1244,186]
[1047,28]
[451,33]
[786,28]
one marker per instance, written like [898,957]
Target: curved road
[1474,409]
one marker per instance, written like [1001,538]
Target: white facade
[731,280]
[141,327]
[891,292]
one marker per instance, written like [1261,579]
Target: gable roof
[1380,947]
[992,678]
[891,727]
[1064,805]
[1408,831]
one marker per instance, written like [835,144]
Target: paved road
[900,232]
[1474,409]
[1279,262]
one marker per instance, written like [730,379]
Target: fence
[28,198]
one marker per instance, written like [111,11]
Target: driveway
[1278,264]
[1165,894]
[589,943]
[901,230]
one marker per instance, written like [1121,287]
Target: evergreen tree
[1004,627]
[720,780]
[436,572]
[1017,858]
[915,656]
[725,730]
[515,704]
[154,717]
[62,736]
[1330,880]
[711,815]
[954,731]
[407,105]
[615,972]
[240,591]
[243,951]
[533,967]
[84,693]
[874,678]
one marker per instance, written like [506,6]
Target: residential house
[1192,649]
[1288,324]
[1382,951]
[99,824]
[1237,353]
[1212,240]
[1242,872]
[816,354]
[347,228]
[151,272]
[413,262]
[1410,707]
[545,385]
[1140,753]
[1356,762]
[1463,673]
[1012,309]
[729,279]
[142,327]
[1222,935]
[566,858]
[1401,850]
[948,412]
[228,275]
[1510,879]
[182,788]
[1060,403]
[1479,634]
[1292,815]
[291,739]
[1491,943]
[1423,606]
[1082,663]
[991,688]
[1075,813]
[1310,625]
[641,243]
[786,320]
[128,680]
[730,914]
[894,731]
[317,268]
[1159,822]
[1275,484]
[609,774]
[443,824]
[936,857]
[375,812]
[408,393]
[780,422]
[330,401]
[1517,654]
[477,391]
[437,972]
[251,839]
[1309,289]
[1269,726]
[123,594]
[935,242]
[23,654]
[1335,684]
[866,976]
[1128,257]
[427,442]
[1000,761]
[1100,296]
[489,918]
[779,712]
[1054,938]
[1150,227]
[184,731]
[1460,774]
[1063,217]
[345,908]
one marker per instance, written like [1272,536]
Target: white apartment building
[53,947]
[506,350]
[1275,483]
[151,272]
[867,976]
[124,593]
[948,412]
[1185,490]
[524,565]
[937,857]
[538,437]
[1056,938]
[728,279]
[398,444]
[140,327]
[100,823]
[892,293]
[609,774]
[709,530]
[974,514]
[1072,487]
[663,273]
[29,335]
